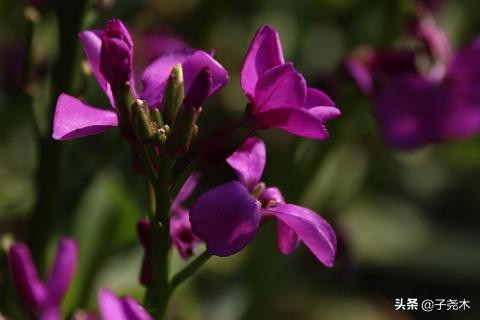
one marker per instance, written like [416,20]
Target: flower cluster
[421,104]
[159,121]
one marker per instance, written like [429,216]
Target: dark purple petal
[181,232]
[116,54]
[92,42]
[298,121]
[75,119]
[199,90]
[312,229]
[264,53]
[25,278]
[63,270]
[280,87]
[360,74]
[226,218]
[248,161]
[196,63]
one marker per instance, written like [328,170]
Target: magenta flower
[227,217]
[278,94]
[181,233]
[43,299]
[126,308]
[416,108]
[110,54]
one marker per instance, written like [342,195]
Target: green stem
[188,271]
[70,16]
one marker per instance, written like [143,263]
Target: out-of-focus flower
[126,308]
[43,299]
[278,94]
[421,104]
[181,233]
[227,217]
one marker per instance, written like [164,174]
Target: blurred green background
[408,223]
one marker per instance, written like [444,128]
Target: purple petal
[287,238]
[155,76]
[226,218]
[312,229]
[111,307]
[114,308]
[187,189]
[92,43]
[199,90]
[75,119]
[299,121]
[280,87]
[194,65]
[133,310]
[248,162]
[63,270]
[434,37]
[25,278]
[264,53]
[360,74]
[51,312]
[181,232]
[317,98]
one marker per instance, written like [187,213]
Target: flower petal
[92,43]
[248,161]
[25,278]
[194,65]
[63,270]
[264,53]
[318,98]
[187,188]
[133,310]
[298,121]
[75,119]
[312,229]
[111,307]
[287,239]
[155,76]
[271,196]
[226,218]
[181,232]
[280,87]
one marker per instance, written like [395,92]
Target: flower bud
[184,129]
[199,90]
[142,122]
[174,94]
[116,54]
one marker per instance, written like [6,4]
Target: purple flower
[415,108]
[180,230]
[75,119]
[43,299]
[227,217]
[116,54]
[278,94]
[126,308]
